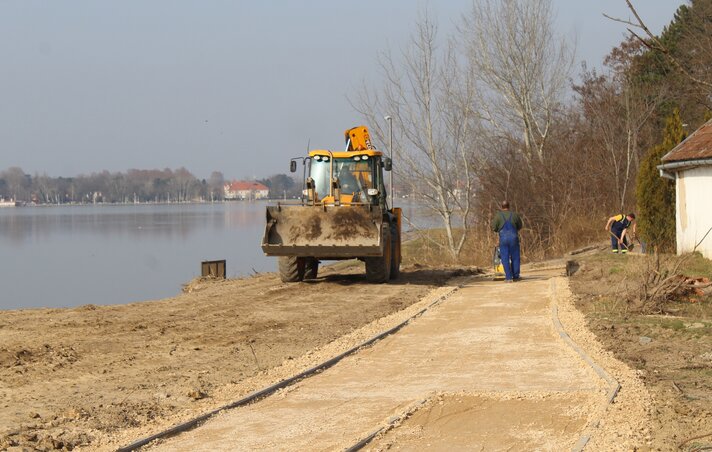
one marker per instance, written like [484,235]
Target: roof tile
[240,185]
[696,146]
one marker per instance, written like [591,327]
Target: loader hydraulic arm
[358,139]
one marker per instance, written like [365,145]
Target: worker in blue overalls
[618,226]
[507,224]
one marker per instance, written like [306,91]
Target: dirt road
[101,376]
[486,369]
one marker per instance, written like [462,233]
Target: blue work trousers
[509,250]
[616,234]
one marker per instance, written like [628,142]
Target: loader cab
[358,173]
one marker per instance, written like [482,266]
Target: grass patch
[697,265]
[677,325]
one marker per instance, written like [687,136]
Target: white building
[245,190]
[689,164]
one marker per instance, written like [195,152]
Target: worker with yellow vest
[618,226]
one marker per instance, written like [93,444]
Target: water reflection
[21,224]
[74,255]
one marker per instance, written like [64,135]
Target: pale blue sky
[237,86]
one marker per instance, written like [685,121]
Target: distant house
[689,164]
[245,190]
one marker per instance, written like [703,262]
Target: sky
[235,86]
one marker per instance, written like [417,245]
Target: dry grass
[667,279]
[666,339]
[649,284]
[429,246]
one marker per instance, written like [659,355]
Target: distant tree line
[134,185]
[282,186]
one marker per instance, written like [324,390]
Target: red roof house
[245,190]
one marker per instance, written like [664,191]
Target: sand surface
[101,376]
[483,370]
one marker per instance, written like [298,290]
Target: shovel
[627,247]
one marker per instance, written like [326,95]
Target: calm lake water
[74,255]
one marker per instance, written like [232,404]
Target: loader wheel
[395,252]
[311,268]
[291,268]
[378,269]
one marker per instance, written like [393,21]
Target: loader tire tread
[291,268]
[378,269]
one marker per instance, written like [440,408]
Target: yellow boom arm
[358,139]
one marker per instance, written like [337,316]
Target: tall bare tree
[431,99]
[17,183]
[215,185]
[617,112]
[521,66]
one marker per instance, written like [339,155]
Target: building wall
[694,214]
[245,194]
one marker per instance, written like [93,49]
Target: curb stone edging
[614,386]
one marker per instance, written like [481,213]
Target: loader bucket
[323,231]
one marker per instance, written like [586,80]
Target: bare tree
[617,110]
[17,182]
[215,184]
[431,99]
[521,66]
[183,184]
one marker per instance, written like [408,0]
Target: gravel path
[486,369]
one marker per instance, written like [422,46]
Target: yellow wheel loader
[343,214]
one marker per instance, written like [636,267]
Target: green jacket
[501,217]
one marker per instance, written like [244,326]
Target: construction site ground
[486,367]
[670,352]
[100,376]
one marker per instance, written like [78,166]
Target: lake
[65,256]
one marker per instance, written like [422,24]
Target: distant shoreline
[149,203]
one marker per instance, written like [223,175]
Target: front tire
[378,269]
[291,268]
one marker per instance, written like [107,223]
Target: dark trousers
[509,250]
[614,238]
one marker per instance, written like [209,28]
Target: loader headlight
[317,158]
[372,191]
[364,157]
[357,158]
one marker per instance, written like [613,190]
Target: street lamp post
[390,150]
